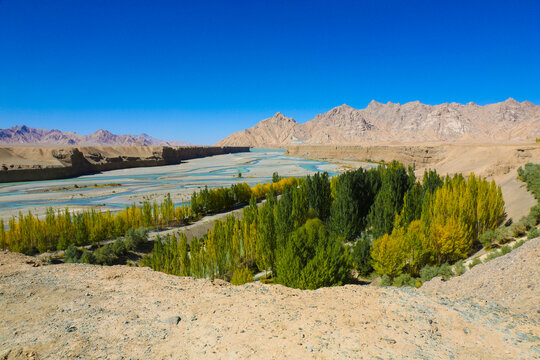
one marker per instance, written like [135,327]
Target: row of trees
[321,228]
[440,225]
[282,235]
[59,229]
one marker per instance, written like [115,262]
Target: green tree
[319,194]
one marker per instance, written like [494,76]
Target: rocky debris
[511,280]
[173,320]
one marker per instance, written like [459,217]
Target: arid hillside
[410,122]
[82,311]
[24,135]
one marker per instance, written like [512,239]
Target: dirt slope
[512,280]
[87,312]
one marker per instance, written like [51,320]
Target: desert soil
[77,311]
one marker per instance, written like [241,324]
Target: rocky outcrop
[390,123]
[406,154]
[45,163]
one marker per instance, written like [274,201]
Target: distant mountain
[411,122]
[24,135]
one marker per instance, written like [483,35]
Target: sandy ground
[76,311]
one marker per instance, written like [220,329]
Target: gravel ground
[77,311]
[512,280]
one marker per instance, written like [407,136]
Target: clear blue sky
[200,70]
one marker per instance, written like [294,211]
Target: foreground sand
[90,312]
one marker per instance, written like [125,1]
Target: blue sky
[199,70]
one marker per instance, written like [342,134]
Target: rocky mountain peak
[31,136]
[392,122]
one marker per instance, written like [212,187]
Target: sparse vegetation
[474,262]
[534,233]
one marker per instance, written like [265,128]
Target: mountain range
[390,122]
[24,135]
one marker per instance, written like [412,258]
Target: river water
[153,183]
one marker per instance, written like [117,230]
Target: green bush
[533,233]
[72,254]
[105,255]
[518,244]
[241,276]
[119,248]
[428,272]
[518,229]
[487,238]
[493,255]
[385,281]
[87,257]
[475,262]
[406,280]
[134,239]
[505,250]
[459,268]
[534,213]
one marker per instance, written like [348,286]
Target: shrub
[105,255]
[493,255]
[72,254]
[504,235]
[405,280]
[505,250]
[134,239]
[534,213]
[533,233]
[518,229]
[518,244]
[529,221]
[488,238]
[475,262]
[445,270]
[241,276]
[385,281]
[87,257]
[428,272]
[459,268]
[119,247]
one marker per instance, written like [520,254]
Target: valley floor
[89,312]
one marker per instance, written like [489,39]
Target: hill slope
[72,310]
[411,122]
[24,135]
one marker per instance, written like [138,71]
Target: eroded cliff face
[423,155]
[46,163]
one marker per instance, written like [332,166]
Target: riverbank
[151,183]
[31,163]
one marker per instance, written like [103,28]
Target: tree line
[320,229]
[29,234]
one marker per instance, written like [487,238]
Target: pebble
[173,320]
